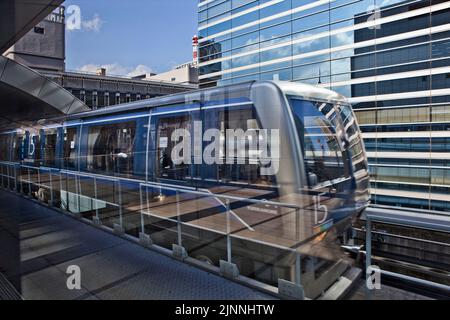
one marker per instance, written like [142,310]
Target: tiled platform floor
[37,244]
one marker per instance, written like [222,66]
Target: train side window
[243,170]
[4,147]
[18,147]
[69,148]
[317,125]
[49,154]
[111,148]
[165,166]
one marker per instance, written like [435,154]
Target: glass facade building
[391,58]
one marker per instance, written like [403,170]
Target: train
[268,170]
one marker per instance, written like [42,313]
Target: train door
[237,149]
[32,150]
[108,147]
[18,146]
[49,147]
[140,147]
[5,145]
[172,145]
[69,145]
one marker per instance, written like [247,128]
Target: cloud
[172,64]
[344,38]
[117,69]
[139,70]
[75,22]
[95,24]
[114,69]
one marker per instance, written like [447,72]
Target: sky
[129,37]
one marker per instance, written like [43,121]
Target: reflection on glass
[317,126]
[110,148]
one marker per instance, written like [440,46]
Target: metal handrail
[228,234]
[90,175]
[427,283]
[210,195]
[405,237]
[216,195]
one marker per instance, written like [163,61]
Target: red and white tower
[195,51]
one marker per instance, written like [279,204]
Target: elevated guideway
[436,221]
[38,244]
[26,96]
[411,246]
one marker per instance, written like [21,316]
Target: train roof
[309,91]
[289,88]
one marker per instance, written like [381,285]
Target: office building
[390,58]
[186,73]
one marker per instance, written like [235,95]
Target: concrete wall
[185,75]
[41,51]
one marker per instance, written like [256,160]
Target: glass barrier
[8,175]
[287,237]
[266,240]
[130,200]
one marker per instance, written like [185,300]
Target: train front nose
[357,158]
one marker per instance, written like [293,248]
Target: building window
[89,99]
[83,96]
[441,113]
[94,100]
[39,30]
[117,98]
[106,99]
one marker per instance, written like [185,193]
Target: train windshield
[319,130]
[353,139]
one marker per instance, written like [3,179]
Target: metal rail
[411,219]
[31,177]
[419,281]
[407,218]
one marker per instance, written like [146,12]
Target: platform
[38,244]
